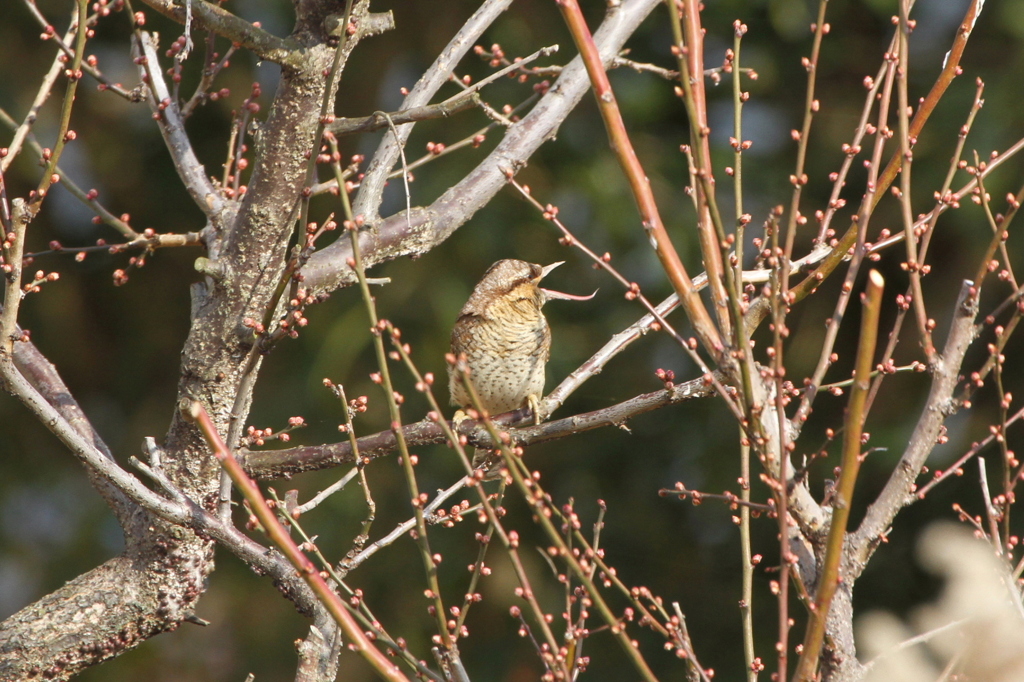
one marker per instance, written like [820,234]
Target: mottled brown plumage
[505,339]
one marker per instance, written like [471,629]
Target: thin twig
[534,496]
[467,99]
[639,184]
[328,491]
[951,68]
[172,127]
[403,528]
[279,535]
[406,461]
[46,84]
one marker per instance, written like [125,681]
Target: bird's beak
[550,293]
[546,270]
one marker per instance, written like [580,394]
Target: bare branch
[467,99]
[277,532]
[401,235]
[378,120]
[218,20]
[172,127]
[367,203]
[264,464]
[899,490]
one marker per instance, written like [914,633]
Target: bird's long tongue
[568,297]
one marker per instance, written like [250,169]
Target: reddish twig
[640,185]
[280,537]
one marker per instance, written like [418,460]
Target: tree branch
[415,234]
[218,20]
[371,189]
[467,99]
[378,120]
[172,127]
[899,490]
[266,464]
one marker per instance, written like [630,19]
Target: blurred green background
[118,348]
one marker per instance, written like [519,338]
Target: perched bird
[505,339]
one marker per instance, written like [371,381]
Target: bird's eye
[535,271]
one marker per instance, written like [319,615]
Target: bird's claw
[533,400]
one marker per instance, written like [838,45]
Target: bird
[505,341]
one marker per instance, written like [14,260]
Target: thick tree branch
[318,654]
[218,20]
[155,585]
[42,376]
[371,189]
[899,490]
[415,234]
[80,440]
[124,596]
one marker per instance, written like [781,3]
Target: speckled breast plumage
[505,338]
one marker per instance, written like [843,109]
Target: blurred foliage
[118,348]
